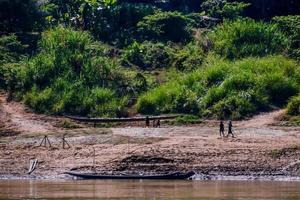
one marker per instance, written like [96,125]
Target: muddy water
[108,189]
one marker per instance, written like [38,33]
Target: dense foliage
[293,108]
[223,9]
[148,55]
[20,15]
[165,26]
[12,51]
[226,89]
[290,25]
[74,74]
[114,57]
[107,21]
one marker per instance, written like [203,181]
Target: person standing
[158,123]
[230,131]
[221,126]
[147,121]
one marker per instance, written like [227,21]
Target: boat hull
[172,176]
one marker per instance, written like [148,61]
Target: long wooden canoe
[132,119]
[170,176]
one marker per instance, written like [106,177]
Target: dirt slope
[262,120]
[14,116]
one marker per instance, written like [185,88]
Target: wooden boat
[170,176]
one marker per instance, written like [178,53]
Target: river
[112,189]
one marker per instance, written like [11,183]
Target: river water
[112,189]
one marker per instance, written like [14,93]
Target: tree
[20,16]
[74,12]
[223,8]
[165,26]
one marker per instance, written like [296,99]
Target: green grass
[226,89]
[246,37]
[293,107]
[185,120]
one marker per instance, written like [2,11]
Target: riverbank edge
[196,177]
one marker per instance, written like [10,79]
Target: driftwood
[32,166]
[132,119]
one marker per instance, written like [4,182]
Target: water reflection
[112,189]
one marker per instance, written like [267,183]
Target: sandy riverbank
[261,148]
[264,151]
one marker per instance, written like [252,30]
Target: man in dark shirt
[221,129]
[147,121]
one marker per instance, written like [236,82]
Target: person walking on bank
[221,129]
[230,126]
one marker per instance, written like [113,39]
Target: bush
[223,9]
[293,107]
[148,55]
[200,21]
[166,26]
[226,89]
[11,52]
[159,100]
[278,87]
[72,74]
[246,37]
[290,25]
[189,57]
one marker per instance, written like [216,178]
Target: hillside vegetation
[103,58]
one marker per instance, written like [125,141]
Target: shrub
[290,25]
[246,37]
[148,55]
[293,107]
[11,52]
[223,9]
[159,100]
[165,26]
[200,21]
[278,87]
[189,57]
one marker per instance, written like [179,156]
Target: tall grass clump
[293,107]
[227,89]
[246,37]
[74,74]
[290,25]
